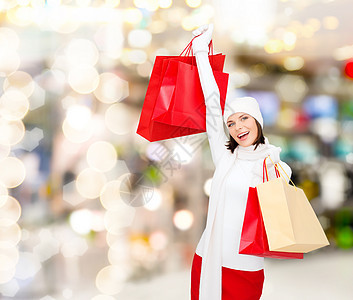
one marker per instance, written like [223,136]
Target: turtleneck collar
[249,153]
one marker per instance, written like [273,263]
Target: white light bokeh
[110,279]
[102,156]
[78,116]
[118,119]
[8,258]
[81,221]
[9,61]
[82,52]
[76,135]
[3,194]
[83,79]
[111,195]
[118,219]
[10,212]
[21,81]
[74,247]
[14,105]
[111,88]
[183,219]
[90,182]
[12,132]
[10,235]
[155,202]
[15,172]
[158,240]
[207,186]
[139,38]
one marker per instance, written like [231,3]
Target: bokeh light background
[91,210]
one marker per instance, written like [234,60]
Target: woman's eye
[244,118]
[230,124]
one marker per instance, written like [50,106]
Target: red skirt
[236,284]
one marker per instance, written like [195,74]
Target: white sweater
[234,174]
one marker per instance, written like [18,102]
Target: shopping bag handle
[278,173]
[188,49]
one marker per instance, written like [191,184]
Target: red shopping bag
[180,101]
[253,237]
[153,130]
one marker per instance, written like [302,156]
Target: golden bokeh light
[330,22]
[10,212]
[83,79]
[12,132]
[101,156]
[89,183]
[274,46]
[9,236]
[118,119]
[293,63]
[15,172]
[110,279]
[289,39]
[14,105]
[193,3]
[21,81]
[132,16]
[76,135]
[111,88]
[165,3]
[151,5]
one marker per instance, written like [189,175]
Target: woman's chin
[245,143]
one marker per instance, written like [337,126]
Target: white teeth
[241,135]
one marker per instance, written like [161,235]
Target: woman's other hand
[203,36]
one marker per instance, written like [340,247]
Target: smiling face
[242,127]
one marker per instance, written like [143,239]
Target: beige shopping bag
[290,222]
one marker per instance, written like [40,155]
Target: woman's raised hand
[203,36]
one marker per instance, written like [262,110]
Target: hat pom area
[247,105]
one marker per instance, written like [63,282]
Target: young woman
[218,270]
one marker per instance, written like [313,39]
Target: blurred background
[91,210]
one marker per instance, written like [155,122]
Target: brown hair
[260,139]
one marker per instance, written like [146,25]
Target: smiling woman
[219,271]
[244,130]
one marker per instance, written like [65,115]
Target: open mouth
[243,135]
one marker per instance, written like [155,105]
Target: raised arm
[214,119]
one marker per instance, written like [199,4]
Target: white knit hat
[247,105]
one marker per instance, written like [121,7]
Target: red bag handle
[265,171]
[188,49]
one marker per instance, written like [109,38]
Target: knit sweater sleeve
[214,119]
